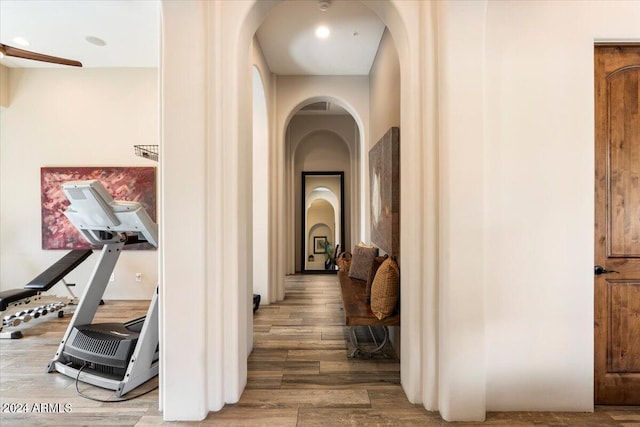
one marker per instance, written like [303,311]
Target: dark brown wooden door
[617,227]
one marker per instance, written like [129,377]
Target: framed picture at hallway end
[319,244]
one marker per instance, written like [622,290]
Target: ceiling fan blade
[21,53]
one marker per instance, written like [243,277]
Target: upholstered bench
[357,312]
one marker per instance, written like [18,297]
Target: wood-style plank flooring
[299,375]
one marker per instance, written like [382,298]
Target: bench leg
[358,350]
[354,342]
[385,339]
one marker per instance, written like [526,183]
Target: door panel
[617,227]
[624,306]
[624,164]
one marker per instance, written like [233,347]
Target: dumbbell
[59,310]
[15,321]
[31,313]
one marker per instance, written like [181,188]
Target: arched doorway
[260,189]
[418,357]
[317,142]
[322,142]
[322,203]
[220,137]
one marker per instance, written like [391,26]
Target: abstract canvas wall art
[136,184]
[384,176]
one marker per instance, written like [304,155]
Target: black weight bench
[44,281]
[8,298]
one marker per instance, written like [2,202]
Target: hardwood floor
[299,375]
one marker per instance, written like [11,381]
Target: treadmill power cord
[81,394]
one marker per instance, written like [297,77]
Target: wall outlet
[113,277]
[138,277]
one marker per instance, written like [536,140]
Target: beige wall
[539,204]
[384,109]
[69,117]
[384,89]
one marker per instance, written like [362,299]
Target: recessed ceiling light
[322,32]
[324,5]
[95,40]
[21,41]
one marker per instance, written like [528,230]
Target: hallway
[299,373]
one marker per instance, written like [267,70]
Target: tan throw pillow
[375,265]
[361,262]
[344,261]
[385,289]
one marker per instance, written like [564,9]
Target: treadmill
[115,356]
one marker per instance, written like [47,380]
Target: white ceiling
[130,29]
[288,41]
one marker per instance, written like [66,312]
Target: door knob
[598,270]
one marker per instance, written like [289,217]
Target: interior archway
[322,201]
[418,386]
[219,133]
[419,369]
[416,355]
[317,146]
[260,188]
[354,140]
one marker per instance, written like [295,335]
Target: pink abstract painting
[135,184]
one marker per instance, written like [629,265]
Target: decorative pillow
[344,261]
[361,262]
[377,262]
[385,289]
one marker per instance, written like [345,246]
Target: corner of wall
[461,346]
